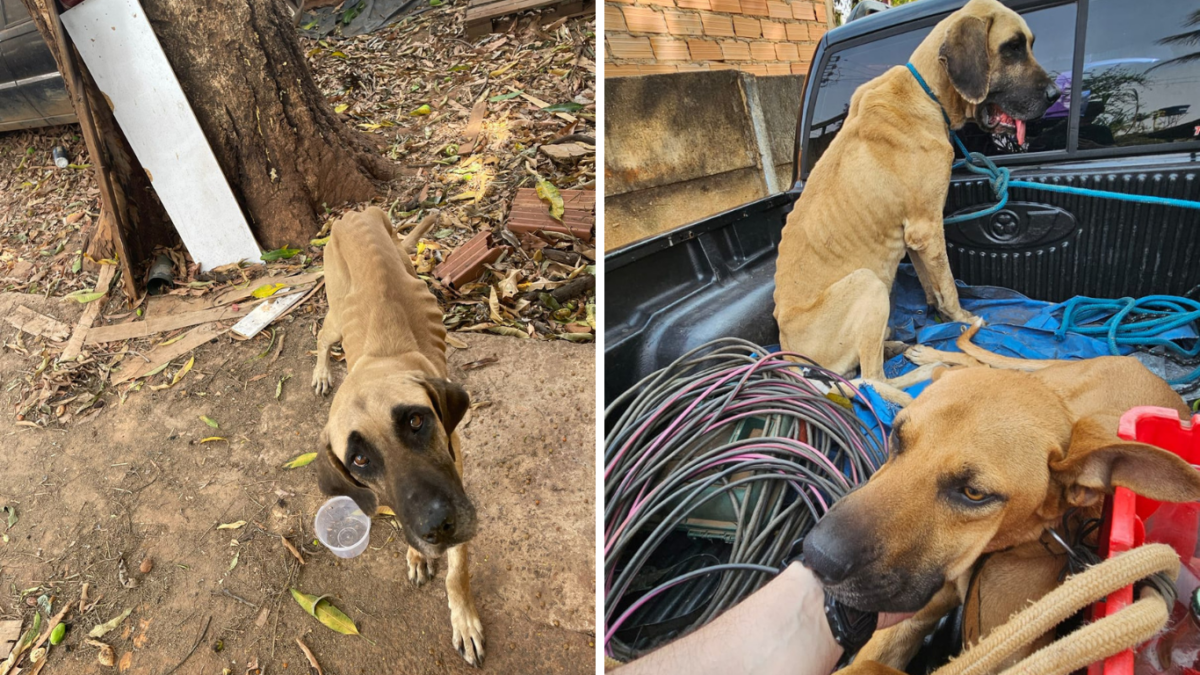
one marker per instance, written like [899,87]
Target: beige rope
[1076,593]
[1124,630]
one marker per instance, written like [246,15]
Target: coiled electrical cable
[688,437]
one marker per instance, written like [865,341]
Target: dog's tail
[409,243]
[995,360]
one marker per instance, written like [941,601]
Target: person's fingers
[888,619]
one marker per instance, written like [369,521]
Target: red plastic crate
[1125,513]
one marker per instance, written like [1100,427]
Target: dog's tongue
[1020,124]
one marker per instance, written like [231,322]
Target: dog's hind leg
[845,328]
[464,618]
[922,276]
[330,334]
[408,245]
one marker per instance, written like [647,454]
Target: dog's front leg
[926,243]
[895,646]
[330,334]
[464,619]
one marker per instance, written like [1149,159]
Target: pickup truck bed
[715,277]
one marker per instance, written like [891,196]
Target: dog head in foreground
[986,50]
[984,460]
[389,444]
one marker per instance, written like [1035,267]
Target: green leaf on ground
[324,611]
[302,460]
[568,107]
[280,254]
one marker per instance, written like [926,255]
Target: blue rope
[999,177]
[1156,314]
[1091,316]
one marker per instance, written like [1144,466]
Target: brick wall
[764,37]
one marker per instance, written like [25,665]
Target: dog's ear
[450,400]
[1097,460]
[965,57]
[335,481]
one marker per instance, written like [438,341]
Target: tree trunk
[282,148]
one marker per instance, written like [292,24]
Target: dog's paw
[921,355]
[322,381]
[468,634]
[420,568]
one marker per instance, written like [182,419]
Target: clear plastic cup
[343,527]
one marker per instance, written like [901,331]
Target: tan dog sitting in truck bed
[983,465]
[390,438]
[879,189]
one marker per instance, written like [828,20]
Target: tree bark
[282,148]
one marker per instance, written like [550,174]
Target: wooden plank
[264,314]
[137,329]
[170,304]
[40,325]
[70,64]
[474,126]
[480,15]
[84,325]
[162,355]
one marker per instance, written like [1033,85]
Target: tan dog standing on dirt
[879,189]
[983,464]
[390,439]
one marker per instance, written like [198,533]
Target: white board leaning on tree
[129,66]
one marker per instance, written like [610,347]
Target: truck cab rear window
[846,69]
[1141,73]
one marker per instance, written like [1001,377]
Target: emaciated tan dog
[879,189]
[390,439]
[984,464]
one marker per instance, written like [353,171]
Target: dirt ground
[135,482]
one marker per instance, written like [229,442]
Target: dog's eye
[415,421]
[973,494]
[360,460]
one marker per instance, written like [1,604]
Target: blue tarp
[1016,326]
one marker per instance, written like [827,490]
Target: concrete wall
[682,147]
[763,37]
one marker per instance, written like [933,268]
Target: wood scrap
[264,314]
[125,331]
[10,632]
[289,310]
[37,324]
[165,354]
[90,313]
[294,281]
[566,152]
[474,126]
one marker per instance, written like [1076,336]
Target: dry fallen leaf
[104,628]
